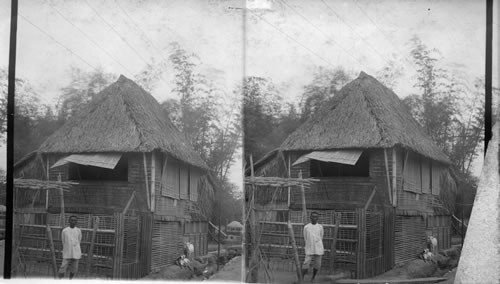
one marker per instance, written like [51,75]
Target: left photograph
[127,139]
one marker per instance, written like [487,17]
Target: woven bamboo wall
[197,234]
[440,228]
[410,237]
[88,197]
[166,206]
[102,196]
[33,168]
[345,193]
[166,243]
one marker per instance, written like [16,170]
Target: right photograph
[364,130]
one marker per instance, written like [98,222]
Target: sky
[281,40]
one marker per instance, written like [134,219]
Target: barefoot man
[71,237]
[313,237]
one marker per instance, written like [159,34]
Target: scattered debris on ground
[204,267]
[437,268]
[230,272]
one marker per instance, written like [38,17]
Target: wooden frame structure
[114,246]
[354,239]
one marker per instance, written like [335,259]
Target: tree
[325,84]
[149,76]
[261,112]
[229,204]
[435,107]
[205,112]
[452,113]
[81,90]
[33,121]
[389,74]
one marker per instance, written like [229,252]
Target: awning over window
[348,157]
[107,161]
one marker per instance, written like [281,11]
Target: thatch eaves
[122,118]
[365,114]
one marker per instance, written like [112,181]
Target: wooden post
[298,267]
[387,175]
[48,169]
[361,249]
[304,207]
[90,253]
[128,203]
[117,254]
[153,181]
[394,178]
[146,180]
[289,188]
[403,174]
[52,251]
[333,248]
[63,219]
[367,204]
[254,262]
[46,199]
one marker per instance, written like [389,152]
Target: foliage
[149,76]
[33,121]
[389,74]
[450,111]
[81,90]
[207,114]
[261,112]
[267,120]
[325,84]
[228,204]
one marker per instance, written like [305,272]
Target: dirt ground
[231,271]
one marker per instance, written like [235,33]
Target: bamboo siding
[410,238]
[166,243]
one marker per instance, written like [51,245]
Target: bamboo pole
[62,203]
[295,254]
[90,253]
[153,181]
[394,178]
[304,207]
[289,176]
[146,180]
[333,248]
[39,157]
[52,250]
[117,253]
[48,169]
[128,203]
[370,198]
[387,175]
[253,265]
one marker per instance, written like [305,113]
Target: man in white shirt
[313,238]
[71,237]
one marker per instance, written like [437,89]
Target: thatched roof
[122,118]
[365,114]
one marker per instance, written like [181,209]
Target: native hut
[136,184]
[371,162]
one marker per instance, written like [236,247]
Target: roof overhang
[347,157]
[107,161]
